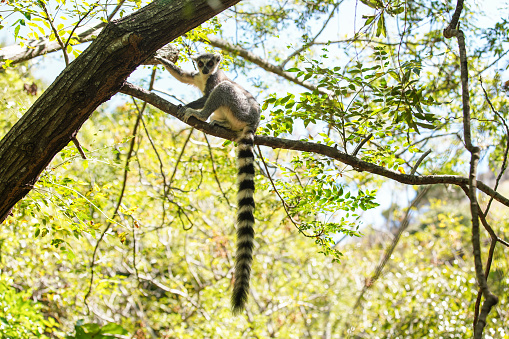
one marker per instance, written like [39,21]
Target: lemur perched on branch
[232,107]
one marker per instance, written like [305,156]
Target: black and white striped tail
[245,220]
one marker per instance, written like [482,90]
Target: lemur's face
[208,63]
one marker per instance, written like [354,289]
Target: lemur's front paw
[187,113]
[181,110]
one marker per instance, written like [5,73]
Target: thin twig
[64,47]
[66,59]
[285,205]
[504,162]
[214,170]
[167,190]
[486,273]
[115,10]
[135,226]
[161,166]
[180,157]
[55,31]
[78,146]
[310,43]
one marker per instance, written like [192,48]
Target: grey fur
[230,106]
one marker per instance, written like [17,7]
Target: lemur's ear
[218,57]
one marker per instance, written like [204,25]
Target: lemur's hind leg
[221,123]
[193,106]
[219,96]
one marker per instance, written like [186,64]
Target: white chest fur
[201,81]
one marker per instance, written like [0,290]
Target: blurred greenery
[153,207]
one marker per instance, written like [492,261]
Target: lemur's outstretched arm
[177,72]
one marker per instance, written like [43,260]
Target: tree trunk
[93,78]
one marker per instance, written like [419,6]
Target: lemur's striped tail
[245,219]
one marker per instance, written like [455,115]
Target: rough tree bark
[93,78]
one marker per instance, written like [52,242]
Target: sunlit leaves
[20,316]
[90,331]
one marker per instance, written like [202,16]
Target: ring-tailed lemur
[229,106]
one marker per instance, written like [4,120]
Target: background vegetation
[136,239]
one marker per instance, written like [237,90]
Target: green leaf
[112,328]
[380,29]
[16,31]
[424,125]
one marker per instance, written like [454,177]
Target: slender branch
[304,146]
[78,146]
[493,63]
[76,26]
[35,48]
[179,158]
[55,31]
[359,146]
[66,59]
[486,273]
[122,191]
[115,10]
[265,64]
[285,205]
[504,162]
[214,170]
[389,250]
[312,41]
[161,166]
[490,299]
[419,162]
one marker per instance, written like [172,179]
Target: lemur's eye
[210,63]
[200,64]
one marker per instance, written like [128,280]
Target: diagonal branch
[389,250]
[312,41]
[35,48]
[504,162]
[304,146]
[263,63]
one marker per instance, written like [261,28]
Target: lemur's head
[208,63]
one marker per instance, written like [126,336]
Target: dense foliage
[136,240]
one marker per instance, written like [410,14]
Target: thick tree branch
[304,146]
[61,110]
[450,30]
